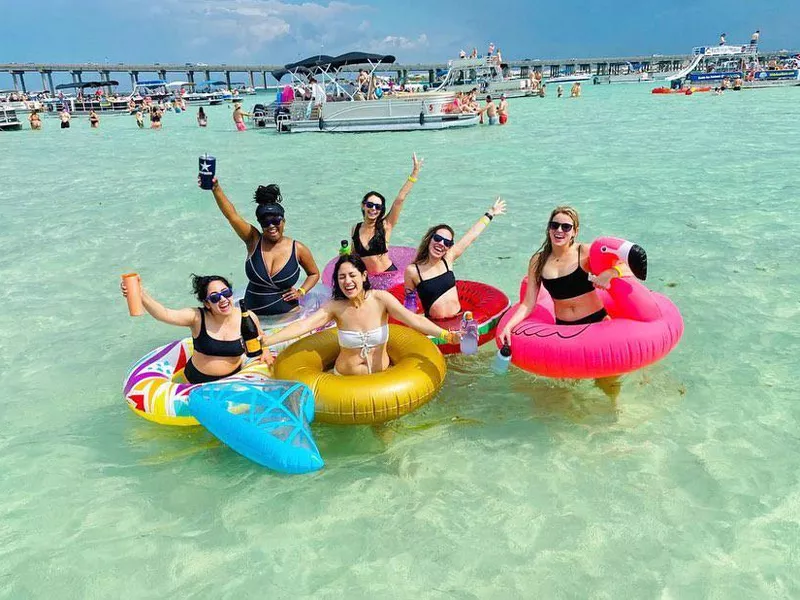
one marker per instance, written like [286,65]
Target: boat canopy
[86,84]
[151,82]
[179,84]
[211,82]
[324,62]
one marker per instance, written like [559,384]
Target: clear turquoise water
[512,487]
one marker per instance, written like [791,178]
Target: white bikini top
[364,339]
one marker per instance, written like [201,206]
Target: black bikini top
[430,290]
[569,286]
[376,246]
[209,346]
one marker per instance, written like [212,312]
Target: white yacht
[486,74]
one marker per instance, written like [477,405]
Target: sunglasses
[215,297]
[565,227]
[271,221]
[373,206]
[448,243]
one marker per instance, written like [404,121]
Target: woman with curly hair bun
[273,261]
[215,326]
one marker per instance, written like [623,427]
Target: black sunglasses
[215,297]
[443,240]
[372,205]
[565,227]
[271,221]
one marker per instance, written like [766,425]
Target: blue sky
[275,31]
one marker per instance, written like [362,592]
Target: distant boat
[9,120]
[569,78]
[724,65]
[485,74]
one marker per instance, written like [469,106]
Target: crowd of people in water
[281,271]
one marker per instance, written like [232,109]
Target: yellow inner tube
[416,374]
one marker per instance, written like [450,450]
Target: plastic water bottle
[469,338]
[410,301]
[344,249]
[502,360]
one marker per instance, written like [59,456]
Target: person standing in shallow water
[202,120]
[239,115]
[273,261]
[371,236]
[561,265]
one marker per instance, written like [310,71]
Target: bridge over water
[552,67]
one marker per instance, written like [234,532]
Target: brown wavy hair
[546,249]
[423,252]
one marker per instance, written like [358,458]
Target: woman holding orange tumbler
[215,326]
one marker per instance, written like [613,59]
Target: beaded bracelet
[301,291]
[412,179]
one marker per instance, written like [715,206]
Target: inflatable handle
[605,252]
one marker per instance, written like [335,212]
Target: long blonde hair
[546,249]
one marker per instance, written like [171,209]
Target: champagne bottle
[252,343]
[345,248]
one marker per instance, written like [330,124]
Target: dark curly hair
[354,260]
[200,285]
[268,198]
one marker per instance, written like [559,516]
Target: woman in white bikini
[362,317]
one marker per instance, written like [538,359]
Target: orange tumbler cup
[134,287]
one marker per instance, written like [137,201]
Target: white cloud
[393,42]
[249,25]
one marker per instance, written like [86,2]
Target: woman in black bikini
[215,326]
[431,275]
[371,236]
[561,265]
[273,261]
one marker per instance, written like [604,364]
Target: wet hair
[200,285]
[380,230]
[546,249]
[268,198]
[354,260]
[423,252]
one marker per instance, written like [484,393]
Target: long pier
[552,67]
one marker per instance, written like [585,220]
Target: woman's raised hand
[417,164]
[214,182]
[498,208]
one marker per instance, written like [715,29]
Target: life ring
[487,303]
[156,390]
[644,327]
[401,257]
[416,375]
